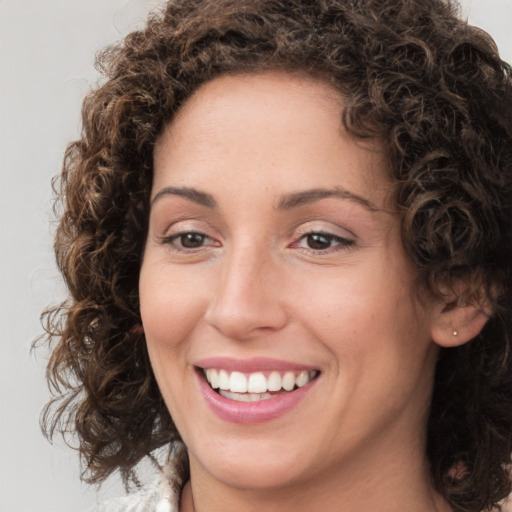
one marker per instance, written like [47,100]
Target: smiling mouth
[256,386]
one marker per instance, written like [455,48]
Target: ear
[457,321]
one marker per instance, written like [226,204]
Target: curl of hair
[414,76]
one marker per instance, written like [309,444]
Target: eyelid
[173,236]
[343,238]
[189,224]
[184,225]
[175,246]
[326,228]
[342,243]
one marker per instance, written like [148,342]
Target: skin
[254,287]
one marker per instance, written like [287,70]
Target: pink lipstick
[253,391]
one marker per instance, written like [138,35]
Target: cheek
[348,300]
[170,306]
[363,313]
[168,316]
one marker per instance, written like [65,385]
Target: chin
[253,465]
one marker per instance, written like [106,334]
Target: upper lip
[257,364]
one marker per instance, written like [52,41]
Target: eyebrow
[191,194]
[286,202]
[296,199]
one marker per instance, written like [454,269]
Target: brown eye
[189,241]
[319,241]
[192,240]
[323,243]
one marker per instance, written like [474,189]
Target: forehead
[266,86]
[231,98]
[289,122]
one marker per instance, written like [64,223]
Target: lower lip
[252,412]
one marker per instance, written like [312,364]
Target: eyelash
[341,243]
[170,241]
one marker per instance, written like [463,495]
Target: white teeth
[302,379]
[254,385]
[223,379]
[274,382]
[238,383]
[245,397]
[212,376]
[288,381]
[257,383]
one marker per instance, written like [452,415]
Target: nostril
[247,301]
[246,321]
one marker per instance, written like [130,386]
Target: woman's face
[274,262]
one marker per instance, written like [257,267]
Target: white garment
[163,495]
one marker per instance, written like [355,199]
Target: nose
[248,299]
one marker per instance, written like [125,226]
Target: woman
[286,233]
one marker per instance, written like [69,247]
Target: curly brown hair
[413,75]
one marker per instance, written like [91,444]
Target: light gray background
[46,67]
